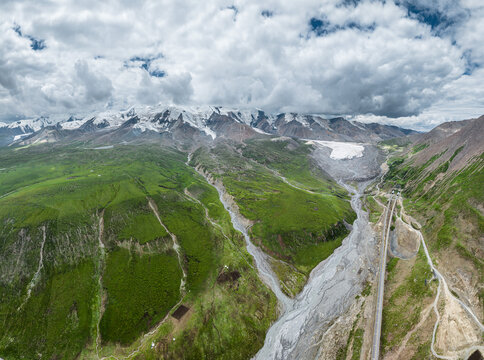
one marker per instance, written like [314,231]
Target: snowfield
[18,137]
[72,125]
[340,150]
[260,131]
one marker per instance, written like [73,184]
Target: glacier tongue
[340,150]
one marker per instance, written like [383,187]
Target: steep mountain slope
[98,246]
[15,131]
[440,175]
[199,124]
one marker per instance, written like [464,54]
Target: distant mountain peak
[204,122]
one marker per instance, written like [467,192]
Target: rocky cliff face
[440,176]
[185,125]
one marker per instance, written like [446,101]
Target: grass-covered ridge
[72,190]
[448,200]
[404,303]
[297,212]
[141,290]
[445,195]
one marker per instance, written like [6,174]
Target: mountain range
[194,124]
[192,233]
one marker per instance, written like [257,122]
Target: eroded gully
[331,288]
[261,259]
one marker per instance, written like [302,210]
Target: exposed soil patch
[230,276]
[456,331]
[463,278]
[180,312]
[404,243]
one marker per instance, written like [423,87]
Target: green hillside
[67,191]
[97,292]
[299,220]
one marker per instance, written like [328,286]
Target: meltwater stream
[330,290]
[332,285]
[261,259]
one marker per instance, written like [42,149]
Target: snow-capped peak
[30,125]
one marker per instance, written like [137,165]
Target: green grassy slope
[290,222]
[403,306]
[67,190]
[141,290]
[446,198]
[448,201]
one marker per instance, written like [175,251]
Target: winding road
[381,284]
[448,293]
[375,350]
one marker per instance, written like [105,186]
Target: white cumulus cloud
[410,63]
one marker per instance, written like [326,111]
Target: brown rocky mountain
[180,124]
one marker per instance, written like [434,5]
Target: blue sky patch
[471,65]
[354,25]
[157,73]
[267,13]
[350,2]
[145,63]
[322,27]
[35,44]
[438,20]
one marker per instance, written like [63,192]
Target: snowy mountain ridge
[209,121]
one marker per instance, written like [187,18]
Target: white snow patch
[26,125]
[340,150]
[103,147]
[71,125]
[357,124]
[210,132]
[260,131]
[281,138]
[145,126]
[18,137]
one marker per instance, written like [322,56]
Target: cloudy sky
[414,63]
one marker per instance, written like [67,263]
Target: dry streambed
[334,283]
[329,292]
[457,331]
